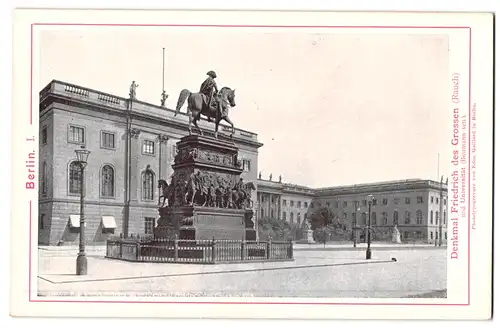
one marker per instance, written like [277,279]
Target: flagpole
[163,73]
[438,168]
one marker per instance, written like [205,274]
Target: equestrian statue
[210,102]
[167,192]
[242,193]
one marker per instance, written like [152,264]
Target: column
[279,207]
[163,167]
[269,204]
[135,171]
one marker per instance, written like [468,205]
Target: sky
[330,108]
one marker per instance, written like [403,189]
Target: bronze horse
[198,105]
[242,199]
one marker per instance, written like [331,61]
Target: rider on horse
[210,90]
[239,187]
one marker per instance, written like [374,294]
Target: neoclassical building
[132,145]
[414,206]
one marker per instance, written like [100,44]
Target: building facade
[132,145]
[413,206]
[284,201]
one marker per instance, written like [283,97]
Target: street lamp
[81,260]
[355,222]
[368,249]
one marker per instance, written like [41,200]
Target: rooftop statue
[133,89]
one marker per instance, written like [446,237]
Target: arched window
[74,178]
[374,218]
[291,217]
[44,178]
[437,217]
[395,218]
[284,215]
[107,181]
[407,217]
[298,218]
[363,218]
[384,218]
[419,217]
[432,217]
[148,185]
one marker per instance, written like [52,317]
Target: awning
[108,222]
[74,221]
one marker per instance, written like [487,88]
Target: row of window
[149,224]
[385,220]
[395,218]
[418,235]
[299,204]
[107,181]
[292,219]
[385,201]
[336,204]
[76,135]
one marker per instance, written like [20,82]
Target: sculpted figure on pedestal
[219,196]
[211,199]
[190,191]
[166,191]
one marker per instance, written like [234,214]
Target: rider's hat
[212,74]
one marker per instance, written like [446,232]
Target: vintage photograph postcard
[252,164]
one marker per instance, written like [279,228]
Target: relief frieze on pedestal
[192,154]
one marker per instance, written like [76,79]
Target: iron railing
[198,251]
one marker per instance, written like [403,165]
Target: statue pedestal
[213,165]
[205,223]
[167,227]
[307,237]
[396,237]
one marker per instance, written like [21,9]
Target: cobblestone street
[418,272]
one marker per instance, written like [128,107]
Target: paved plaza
[315,272]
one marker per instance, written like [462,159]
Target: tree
[327,224]
[324,217]
[274,228]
